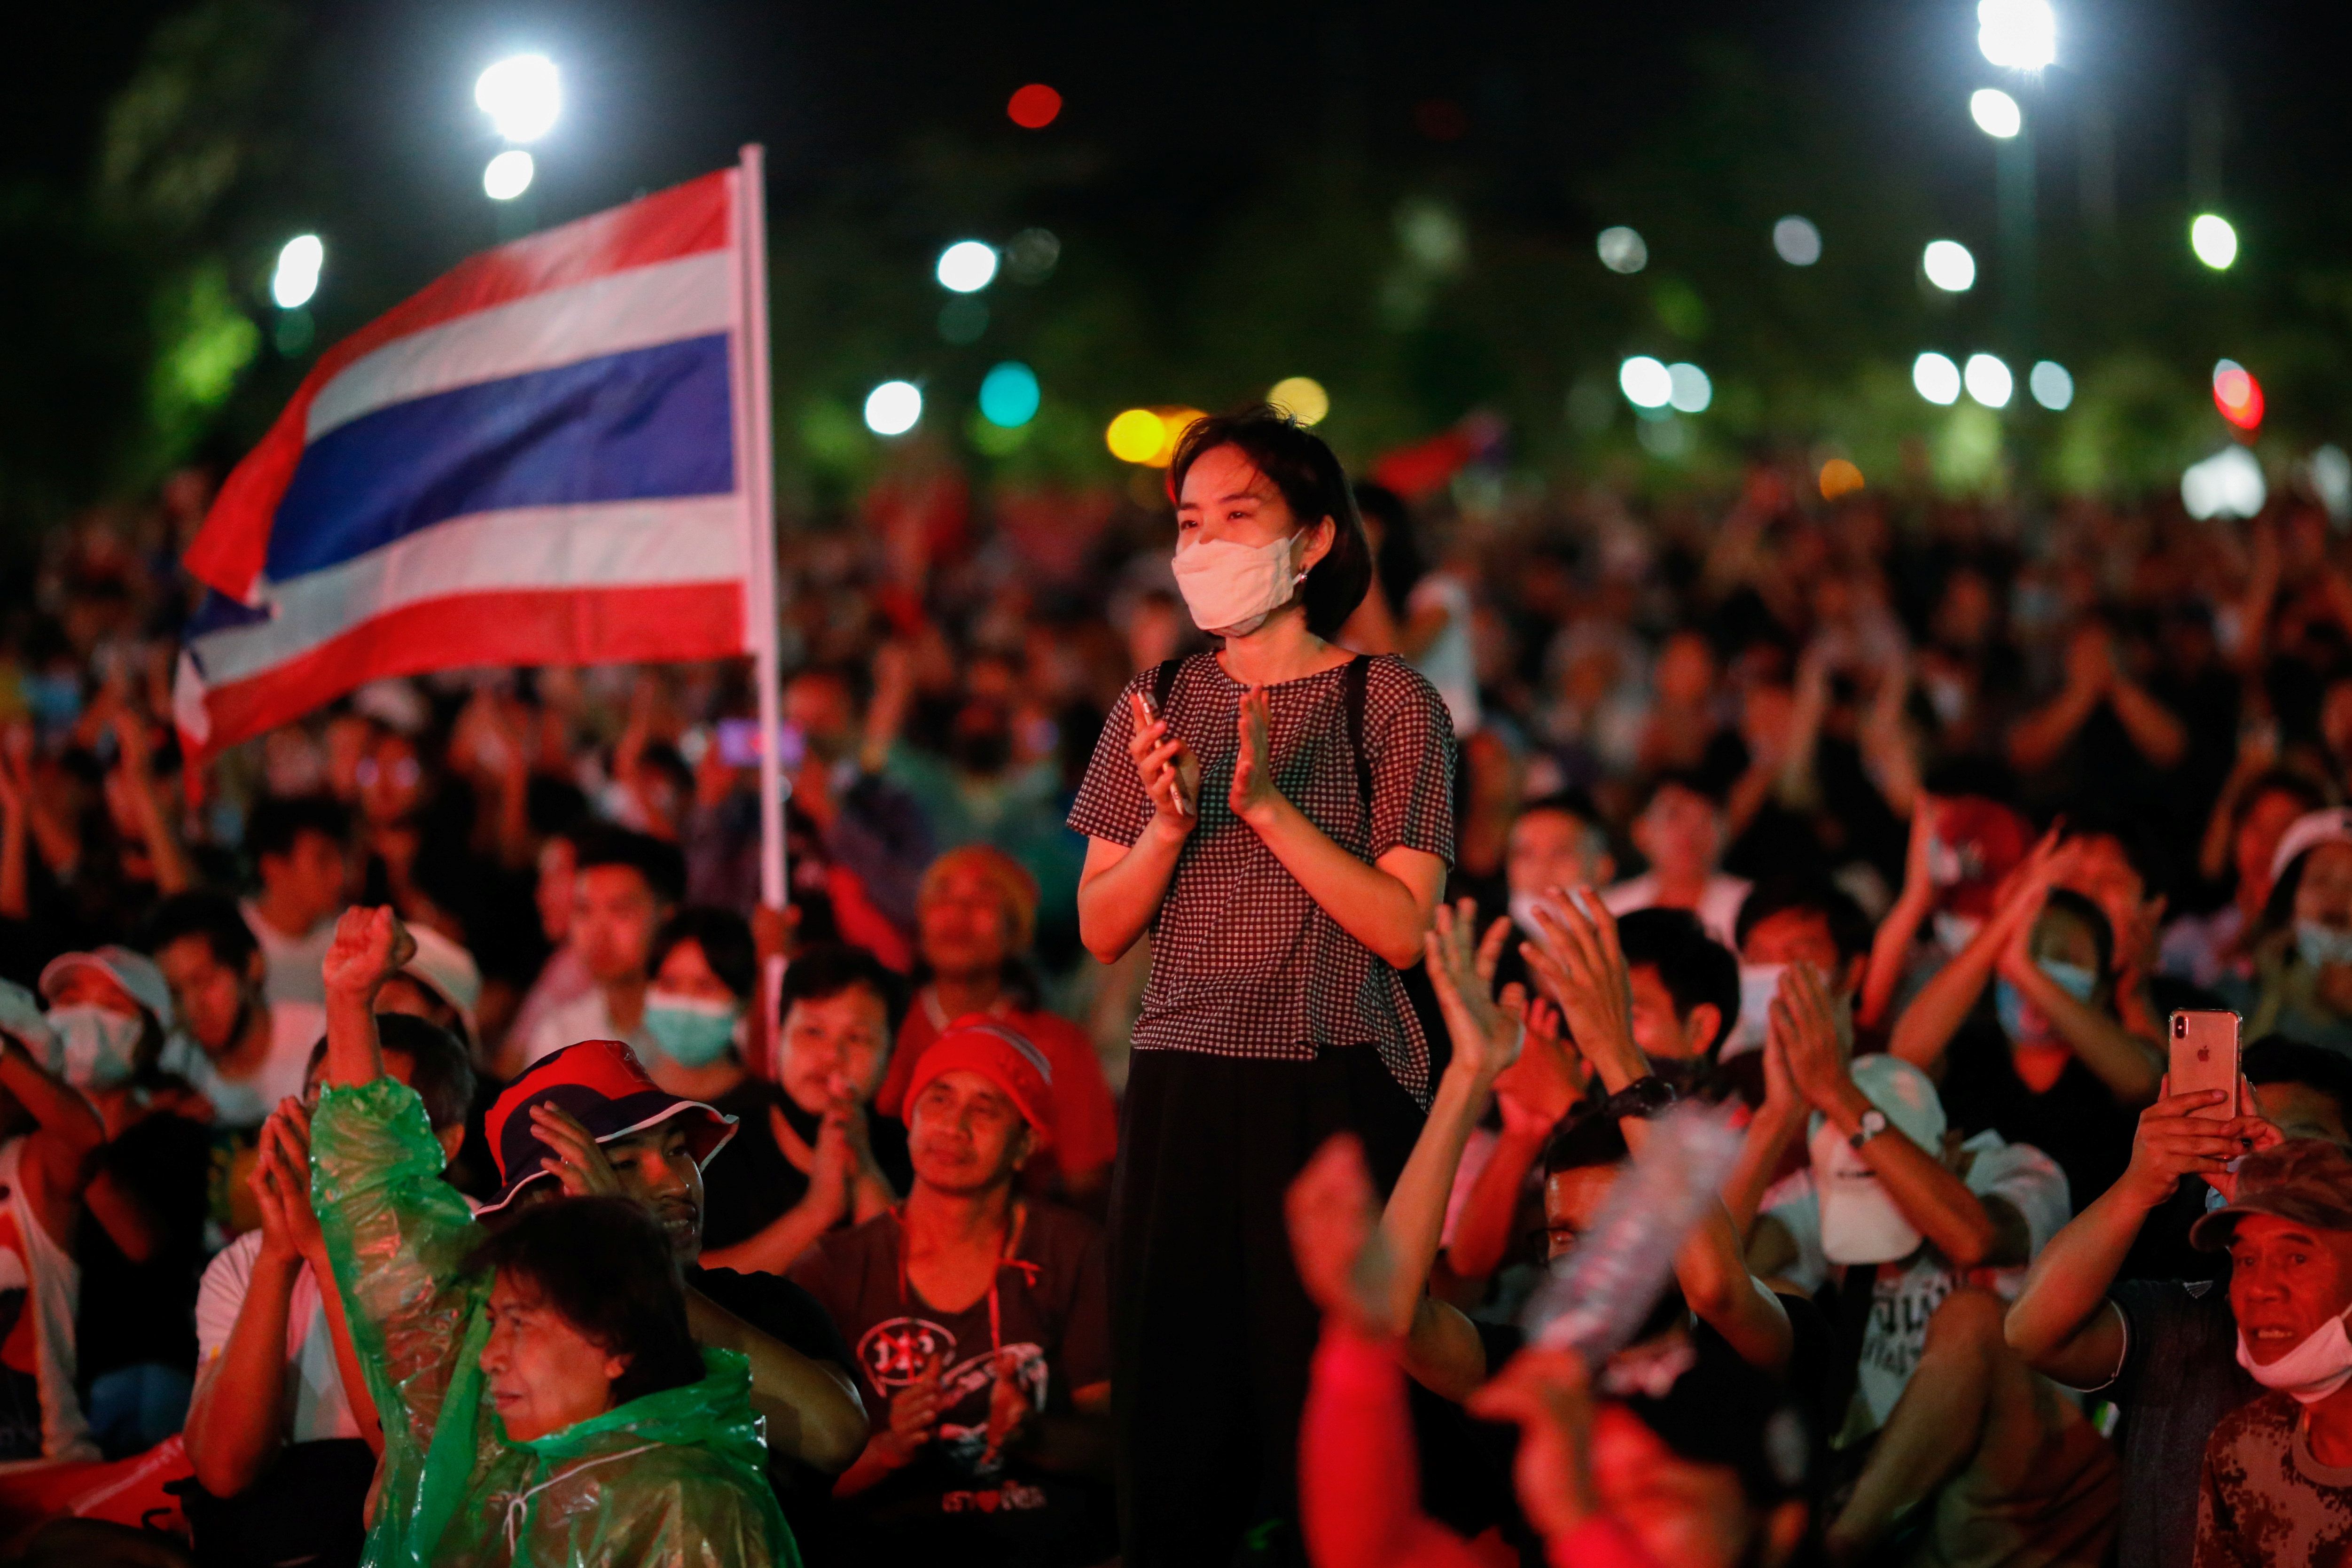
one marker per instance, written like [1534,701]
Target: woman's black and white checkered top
[1243,961]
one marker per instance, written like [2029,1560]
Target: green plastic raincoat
[673,1480]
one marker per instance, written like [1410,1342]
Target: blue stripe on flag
[650,423]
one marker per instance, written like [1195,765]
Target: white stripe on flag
[688,297]
[597,544]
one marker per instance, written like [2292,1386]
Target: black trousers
[1212,1333]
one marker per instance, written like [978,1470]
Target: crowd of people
[1229,960]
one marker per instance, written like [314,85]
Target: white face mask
[2313,1370]
[1523,912]
[1232,588]
[1759,983]
[101,1045]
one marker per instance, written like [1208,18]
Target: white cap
[448,971]
[2331,826]
[134,972]
[1861,1221]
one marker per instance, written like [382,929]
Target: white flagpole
[758,450]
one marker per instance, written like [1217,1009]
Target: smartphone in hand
[2205,1056]
[1147,709]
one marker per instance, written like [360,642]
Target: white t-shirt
[296,963]
[1719,906]
[1902,1303]
[316,1406]
[294,1029]
[583,1017]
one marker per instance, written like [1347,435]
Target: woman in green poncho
[542,1400]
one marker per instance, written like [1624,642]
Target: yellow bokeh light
[1839,477]
[1135,437]
[1302,397]
[1174,424]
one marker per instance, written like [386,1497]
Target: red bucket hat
[602,1086]
[977,1043]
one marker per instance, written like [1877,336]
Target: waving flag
[555,453]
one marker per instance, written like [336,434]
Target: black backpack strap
[1353,687]
[1163,681]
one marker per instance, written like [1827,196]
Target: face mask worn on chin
[1231,588]
[2316,943]
[692,1031]
[99,1043]
[2021,1019]
[2313,1370]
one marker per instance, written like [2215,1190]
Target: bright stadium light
[1996,113]
[1690,392]
[893,408]
[1948,266]
[1646,382]
[1937,378]
[507,176]
[2227,484]
[2214,240]
[967,267]
[297,278]
[2051,385]
[1796,241]
[2022,35]
[520,96]
[1989,381]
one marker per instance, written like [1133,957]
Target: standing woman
[1277,815]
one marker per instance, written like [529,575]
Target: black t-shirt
[136,1312]
[2077,1121]
[784,1311]
[751,1183]
[2179,1377]
[1051,1305]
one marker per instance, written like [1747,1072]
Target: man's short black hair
[281,819]
[213,916]
[1698,781]
[1694,965]
[1850,928]
[829,968]
[605,1265]
[725,938]
[660,864]
[1295,461]
[1568,803]
[2275,1059]
[439,1069]
[1586,1140]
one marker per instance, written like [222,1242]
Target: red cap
[977,1043]
[604,1086]
[1987,842]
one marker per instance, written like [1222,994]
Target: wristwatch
[1645,1096]
[1873,1122]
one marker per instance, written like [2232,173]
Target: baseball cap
[602,1086]
[135,972]
[977,1043]
[2305,1180]
[448,971]
[1861,1221]
[1980,842]
[2309,832]
[20,1017]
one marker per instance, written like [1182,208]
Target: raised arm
[65,1138]
[2036,739]
[369,947]
[1944,1003]
[1890,949]
[1120,889]
[2129,1066]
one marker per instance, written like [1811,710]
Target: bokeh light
[2214,240]
[1937,378]
[1840,477]
[2237,395]
[1948,266]
[1135,437]
[1622,250]
[1302,396]
[2022,35]
[2227,484]
[1796,241]
[521,95]
[1032,256]
[1989,381]
[1008,394]
[894,408]
[1688,389]
[507,176]
[1646,382]
[968,265]
[1033,108]
[2051,385]
[297,278]
[1995,112]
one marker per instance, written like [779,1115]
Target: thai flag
[541,458]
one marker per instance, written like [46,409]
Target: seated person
[1945,1426]
[623,885]
[1681,832]
[976,913]
[587,1426]
[817,1157]
[280,1417]
[1794,920]
[982,1324]
[240,1050]
[1556,841]
[108,1011]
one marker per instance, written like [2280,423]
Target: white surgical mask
[2318,943]
[99,1045]
[1232,588]
[1955,932]
[1759,983]
[1523,912]
[2313,1370]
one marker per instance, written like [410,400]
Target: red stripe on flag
[685,220]
[522,626]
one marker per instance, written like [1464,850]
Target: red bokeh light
[1034,105]
[2239,397]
